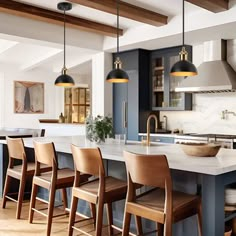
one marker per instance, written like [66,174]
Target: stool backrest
[45,153]
[16,148]
[88,160]
[151,170]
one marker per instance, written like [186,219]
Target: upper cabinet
[163,95]
[76,105]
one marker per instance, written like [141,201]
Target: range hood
[214,74]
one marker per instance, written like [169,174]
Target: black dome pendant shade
[117,75]
[64,80]
[183,67]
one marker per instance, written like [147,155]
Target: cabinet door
[177,100]
[125,97]
[133,106]
[158,83]
[131,101]
[163,84]
[120,99]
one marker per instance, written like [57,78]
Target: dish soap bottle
[61,118]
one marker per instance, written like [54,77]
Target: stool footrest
[82,231]
[42,200]
[12,199]
[40,212]
[45,214]
[117,228]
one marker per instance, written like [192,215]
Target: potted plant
[99,128]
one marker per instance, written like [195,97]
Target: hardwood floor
[10,226]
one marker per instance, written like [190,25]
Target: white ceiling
[28,53]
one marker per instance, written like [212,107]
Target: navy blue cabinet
[131,101]
[163,95]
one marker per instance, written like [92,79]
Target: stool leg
[74,203]
[20,196]
[139,225]
[50,209]
[99,218]
[32,202]
[64,199]
[126,224]
[168,228]
[199,217]
[160,228]
[6,189]
[93,211]
[109,218]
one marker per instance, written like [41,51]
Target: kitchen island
[214,172]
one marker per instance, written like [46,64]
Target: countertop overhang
[225,160]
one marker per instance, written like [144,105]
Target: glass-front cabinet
[163,95]
[77,105]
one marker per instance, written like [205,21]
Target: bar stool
[56,179]
[100,191]
[161,204]
[22,172]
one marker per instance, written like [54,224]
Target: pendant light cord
[183,25]
[118,42]
[64,38]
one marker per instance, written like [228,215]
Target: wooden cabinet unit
[76,105]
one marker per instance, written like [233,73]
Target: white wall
[52,97]
[206,114]
[101,90]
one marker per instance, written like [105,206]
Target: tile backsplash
[206,116]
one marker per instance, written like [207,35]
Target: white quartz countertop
[225,160]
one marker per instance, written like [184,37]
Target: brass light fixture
[183,67]
[117,75]
[64,80]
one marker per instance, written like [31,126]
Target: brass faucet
[148,127]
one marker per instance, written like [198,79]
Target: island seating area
[211,176]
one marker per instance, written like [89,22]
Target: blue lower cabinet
[166,139]
[159,139]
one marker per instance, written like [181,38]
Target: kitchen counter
[214,172]
[224,162]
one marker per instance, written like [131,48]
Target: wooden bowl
[201,149]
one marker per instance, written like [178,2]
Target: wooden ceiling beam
[36,13]
[212,5]
[126,10]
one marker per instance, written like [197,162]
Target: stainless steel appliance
[215,74]
[226,140]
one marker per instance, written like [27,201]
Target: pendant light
[117,75]
[64,79]
[183,67]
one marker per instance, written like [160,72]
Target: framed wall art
[28,97]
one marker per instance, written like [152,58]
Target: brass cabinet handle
[125,114]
